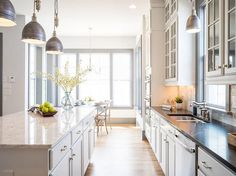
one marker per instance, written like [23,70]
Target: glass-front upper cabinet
[170,9]
[214,39]
[171,52]
[230,37]
[167,56]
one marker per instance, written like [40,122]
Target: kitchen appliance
[201,111]
[185,151]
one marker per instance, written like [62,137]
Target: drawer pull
[78,132]
[205,165]
[64,148]
[72,156]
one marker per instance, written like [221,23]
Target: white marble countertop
[26,129]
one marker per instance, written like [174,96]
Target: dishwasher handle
[190,150]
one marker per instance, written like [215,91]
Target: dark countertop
[210,136]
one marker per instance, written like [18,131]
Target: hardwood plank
[123,153]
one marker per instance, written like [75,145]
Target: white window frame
[110,51]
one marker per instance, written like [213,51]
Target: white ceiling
[106,17]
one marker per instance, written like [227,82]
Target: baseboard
[123,120]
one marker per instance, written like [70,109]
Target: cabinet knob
[78,132]
[219,67]
[64,148]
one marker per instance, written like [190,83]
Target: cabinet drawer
[168,128]
[59,151]
[76,133]
[209,166]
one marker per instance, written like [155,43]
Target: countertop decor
[67,82]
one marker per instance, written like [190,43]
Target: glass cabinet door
[173,49]
[167,54]
[173,4]
[167,11]
[214,44]
[230,37]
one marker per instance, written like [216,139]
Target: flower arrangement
[67,82]
[64,80]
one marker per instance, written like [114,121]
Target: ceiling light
[193,23]
[7,14]
[132,6]
[54,45]
[33,32]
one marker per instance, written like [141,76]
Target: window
[122,79]
[37,86]
[97,84]
[216,95]
[110,77]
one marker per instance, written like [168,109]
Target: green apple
[41,107]
[52,109]
[44,109]
[47,104]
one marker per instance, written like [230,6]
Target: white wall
[82,42]
[13,65]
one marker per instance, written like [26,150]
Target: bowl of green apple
[47,110]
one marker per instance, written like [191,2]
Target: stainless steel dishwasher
[185,156]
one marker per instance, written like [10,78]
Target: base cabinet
[163,159]
[208,166]
[76,158]
[171,157]
[63,167]
[85,150]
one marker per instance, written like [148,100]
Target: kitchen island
[59,146]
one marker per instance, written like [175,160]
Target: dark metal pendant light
[33,32]
[7,14]
[193,23]
[54,45]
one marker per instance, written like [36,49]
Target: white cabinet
[91,136]
[153,134]
[76,158]
[209,166]
[85,150]
[179,45]
[164,150]
[171,156]
[63,167]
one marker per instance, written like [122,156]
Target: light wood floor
[123,153]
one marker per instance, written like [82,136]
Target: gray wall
[14,59]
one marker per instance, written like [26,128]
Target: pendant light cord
[37,6]
[56,19]
[90,48]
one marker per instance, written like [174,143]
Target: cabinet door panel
[85,150]
[171,157]
[77,158]
[230,37]
[63,168]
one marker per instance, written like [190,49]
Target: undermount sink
[185,118]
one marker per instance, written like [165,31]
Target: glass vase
[67,101]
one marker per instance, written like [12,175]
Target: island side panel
[24,162]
